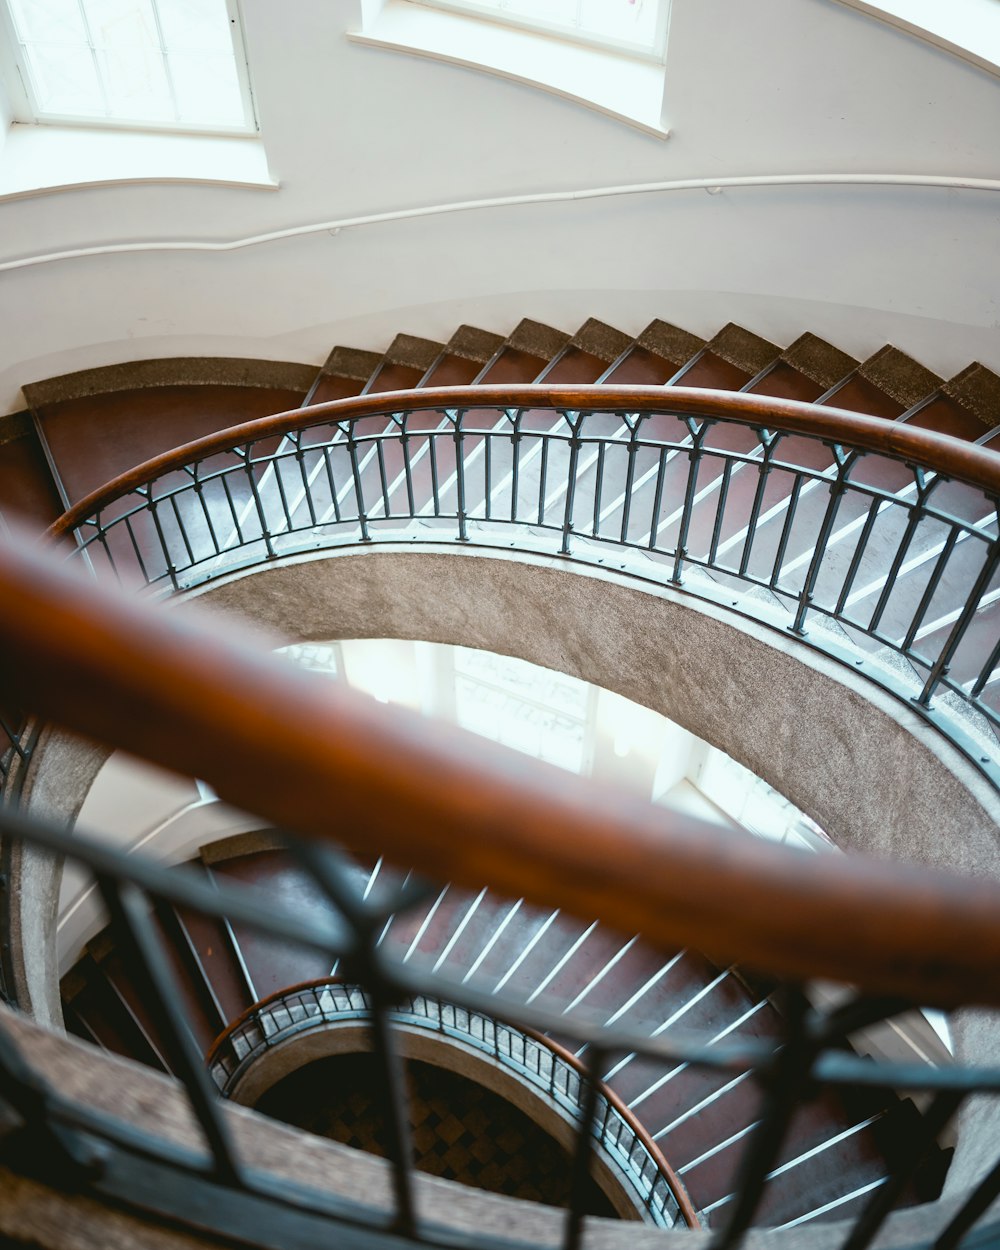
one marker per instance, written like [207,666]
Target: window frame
[24,107]
[485,11]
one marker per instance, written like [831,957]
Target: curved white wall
[778,87]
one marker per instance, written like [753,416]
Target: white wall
[777,87]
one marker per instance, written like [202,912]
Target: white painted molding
[710,185]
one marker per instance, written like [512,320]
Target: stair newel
[583,1150]
[844,462]
[943,662]
[127,908]
[456,416]
[917,513]
[769,442]
[876,1212]
[575,422]
[697,434]
[246,453]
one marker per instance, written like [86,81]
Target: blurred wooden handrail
[329,762]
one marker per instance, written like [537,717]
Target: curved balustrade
[888,534]
[110,666]
[549,1069]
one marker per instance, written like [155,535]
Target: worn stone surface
[471,343]
[175,371]
[742,348]
[600,340]
[825,737]
[819,360]
[671,343]
[977,389]
[901,377]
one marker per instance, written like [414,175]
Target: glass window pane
[207,88]
[122,23]
[195,26]
[135,80]
[65,80]
[52,21]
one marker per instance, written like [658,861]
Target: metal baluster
[629,476]
[405,438]
[720,512]
[459,436]
[697,434]
[575,443]
[768,442]
[785,1079]
[877,1209]
[583,1152]
[359,494]
[599,487]
[943,663]
[135,548]
[383,481]
[331,481]
[978,1203]
[844,462]
[985,672]
[258,503]
[515,441]
[127,910]
[435,485]
[279,481]
[917,514]
[167,559]
[931,588]
[859,554]
[182,528]
[786,530]
[654,524]
[300,457]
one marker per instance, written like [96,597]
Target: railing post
[456,416]
[575,423]
[697,433]
[943,663]
[844,462]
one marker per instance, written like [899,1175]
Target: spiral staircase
[906,578]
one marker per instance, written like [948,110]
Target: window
[157,64]
[635,27]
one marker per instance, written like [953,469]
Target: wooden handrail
[627,1116]
[936,452]
[328,762]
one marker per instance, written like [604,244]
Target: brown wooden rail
[328,762]
[686,1207]
[936,452]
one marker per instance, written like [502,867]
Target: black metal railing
[847,526]
[538,1062]
[122,1160]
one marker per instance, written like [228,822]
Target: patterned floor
[461,1131]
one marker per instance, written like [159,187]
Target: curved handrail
[408,1014]
[931,450]
[113,667]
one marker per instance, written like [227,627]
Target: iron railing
[544,1066]
[885,534]
[109,666]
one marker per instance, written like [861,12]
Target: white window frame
[656,52]
[24,106]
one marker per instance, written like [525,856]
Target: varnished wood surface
[938,452]
[330,763]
